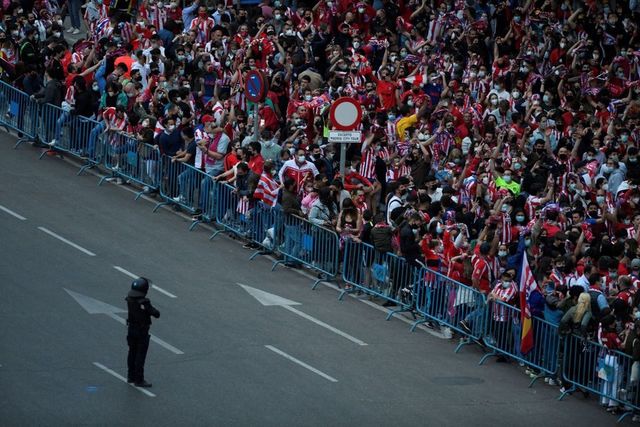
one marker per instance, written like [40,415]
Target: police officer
[138,322]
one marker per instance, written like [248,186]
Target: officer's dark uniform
[138,322]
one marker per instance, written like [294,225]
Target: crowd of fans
[491,129]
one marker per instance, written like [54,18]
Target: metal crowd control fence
[18,112]
[137,162]
[610,374]
[233,212]
[503,336]
[383,275]
[207,195]
[267,221]
[447,302]
[72,134]
[179,184]
[315,246]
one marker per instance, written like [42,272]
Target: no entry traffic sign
[345,114]
[255,86]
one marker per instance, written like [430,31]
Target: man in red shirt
[386,89]
[482,280]
[256,161]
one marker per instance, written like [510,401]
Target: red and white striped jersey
[109,116]
[507,296]
[202,27]
[70,96]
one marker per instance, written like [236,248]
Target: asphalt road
[227,358]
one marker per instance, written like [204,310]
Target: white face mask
[308,98]
[171,128]
[301,159]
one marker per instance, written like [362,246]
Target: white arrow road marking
[123,379]
[93,306]
[268,299]
[12,213]
[68,242]
[134,276]
[301,363]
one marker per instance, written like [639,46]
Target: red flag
[527,285]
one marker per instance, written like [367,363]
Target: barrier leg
[416,323]
[536,378]
[566,392]
[213,236]
[159,205]
[400,310]
[258,253]
[486,356]
[276,263]
[624,415]
[194,224]
[20,141]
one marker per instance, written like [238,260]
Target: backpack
[595,308]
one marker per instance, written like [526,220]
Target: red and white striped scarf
[267,190]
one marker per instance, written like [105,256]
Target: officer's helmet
[140,284]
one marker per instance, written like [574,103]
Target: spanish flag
[527,285]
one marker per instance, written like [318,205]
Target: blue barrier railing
[610,374]
[315,246]
[503,335]
[383,275]
[179,185]
[18,112]
[453,305]
[266,227]
[233,212]
[136,162]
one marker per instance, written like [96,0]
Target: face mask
[599,200]
[171,128]
[527,242]
[308,98]
[507,178]
[403,54]
[505,208]
[516,19]
[278,16]
[95,87]
[517,166]
[482,74]
[57,34]
[624,138]
[524,70]
[301,159]
[391,117]
[502,254]
[633,159]
[145,123]
[410,103]
[438,229]
[546,99]
[494,101]
[607,169]
[520,218]
[356,45]
[563,45]
[516,95]
[361,10]
[572,186]
[613,274]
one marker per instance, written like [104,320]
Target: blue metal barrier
[71,134]
[136,162]
[207,199]
[314,246]
[267,222]
[503,336]
[452,304]
[592,367]
[383,275]
[179,185]
[18,112]
[233,212]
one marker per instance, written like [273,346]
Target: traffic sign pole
[345,115]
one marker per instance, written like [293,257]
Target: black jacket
[140,312]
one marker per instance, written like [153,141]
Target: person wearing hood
[140,311]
